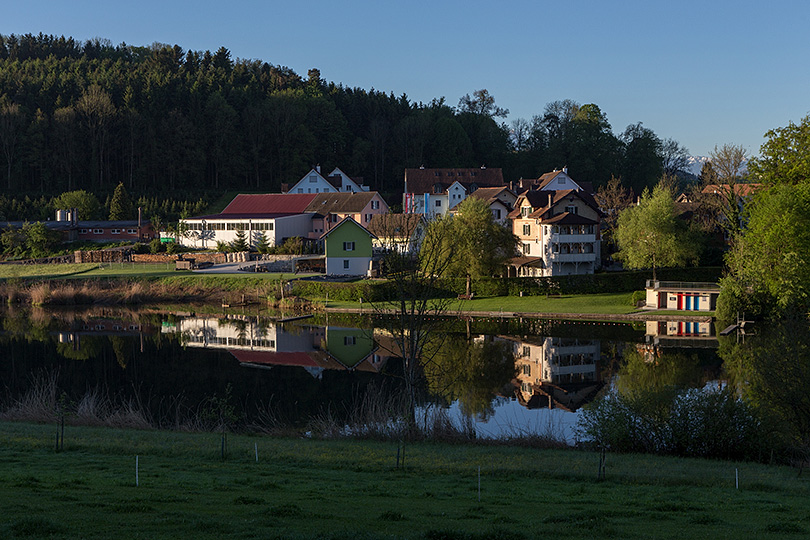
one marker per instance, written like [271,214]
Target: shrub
[712,423]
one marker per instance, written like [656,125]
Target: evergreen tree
[262,244]
[240,242]
[120,205]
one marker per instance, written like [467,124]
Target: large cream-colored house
[557,226]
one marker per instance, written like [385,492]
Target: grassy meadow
[302,488]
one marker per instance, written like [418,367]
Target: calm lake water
[509,376]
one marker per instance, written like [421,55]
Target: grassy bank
[353,489]
[617,303]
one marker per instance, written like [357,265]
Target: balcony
[572,257]
[572,238]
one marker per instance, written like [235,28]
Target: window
[313,178]
[300,190]
[132,231]
[527,230]
[525,211]
[375,205]
[98,231]
[349,340]
[367,218]
[348,246]
[572,209]
[115,231]
[560,180]
[345,264]
[526,369]
[496,213]
[438,203]
[82,231]
[526,248]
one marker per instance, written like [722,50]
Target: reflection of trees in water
[771,370]
[472,372]
[644,371]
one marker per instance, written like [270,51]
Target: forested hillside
[166,121]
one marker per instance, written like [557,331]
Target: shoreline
[623,317]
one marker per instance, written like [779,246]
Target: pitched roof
[539,201]
[569,219]
[339,203]
[343,222]
[269,203]
[742,190]
[489,193]
[394,225]
[423,180]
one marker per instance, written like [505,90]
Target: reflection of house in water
[692,334]
[681,333]
[102,326]
[557,372]
[314,348]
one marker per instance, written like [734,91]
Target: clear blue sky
[704,73]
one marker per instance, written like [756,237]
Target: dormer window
[437,188]
[525,211]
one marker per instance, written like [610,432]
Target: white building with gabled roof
[335,182]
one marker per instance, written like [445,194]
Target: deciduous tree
[482,246]
[650,236]
[785,156]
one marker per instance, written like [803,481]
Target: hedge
[605,282]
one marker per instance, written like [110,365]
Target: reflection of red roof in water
[275,358]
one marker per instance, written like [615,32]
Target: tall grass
[106,292]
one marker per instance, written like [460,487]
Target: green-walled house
[347,247]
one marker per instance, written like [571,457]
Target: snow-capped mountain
[696,163]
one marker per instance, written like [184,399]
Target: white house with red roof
[279,216]
[557,225]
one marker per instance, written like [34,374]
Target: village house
[335,182]
[557,226]
[347,247]
[433,192]
[501,200]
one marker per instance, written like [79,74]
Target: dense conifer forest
[173,123]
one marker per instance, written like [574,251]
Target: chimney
[565,169]
[483,167]
[74,216]
[318,168]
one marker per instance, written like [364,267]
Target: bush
[156,246]
[709,423]
[638,296]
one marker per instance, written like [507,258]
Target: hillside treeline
[88,115]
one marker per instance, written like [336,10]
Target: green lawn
[617,303]
[302,488]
